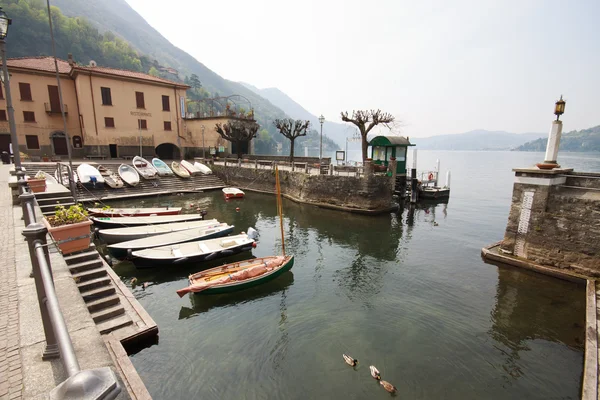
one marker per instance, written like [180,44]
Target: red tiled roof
[42,63]
[127,74]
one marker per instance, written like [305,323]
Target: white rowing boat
[116,235]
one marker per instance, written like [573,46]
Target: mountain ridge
[477,139]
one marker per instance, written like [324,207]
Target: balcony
[53,109]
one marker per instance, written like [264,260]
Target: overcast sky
[438,66]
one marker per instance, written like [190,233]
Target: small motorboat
[63,176]
[162,167]
[144,168]
[202,250]
[118,222]
[190,167]
[133,212]
[111,179]
[121,250]
[203,168]
[116,235]
[179,170]
[50,180]
[233,193]
[89,176]
[238,276]
[129,175]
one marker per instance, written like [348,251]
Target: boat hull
[133,212]
[236,287]
[116,235]
[144,262]
[129,175]
[116,222]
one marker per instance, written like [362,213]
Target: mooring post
[392,168]
[306,168]
[437,171]
[414,190]
[256,164]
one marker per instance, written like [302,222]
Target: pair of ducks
[374,373]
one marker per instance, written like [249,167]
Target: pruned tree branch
[366,120]
[237,132]
[292,129]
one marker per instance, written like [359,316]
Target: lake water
[397,291]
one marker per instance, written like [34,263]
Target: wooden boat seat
[177,252]
[228,243]
[203,248]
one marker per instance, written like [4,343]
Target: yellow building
[109,112]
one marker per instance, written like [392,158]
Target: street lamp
[559,108]
[321,120]
[352,138]
[4,24]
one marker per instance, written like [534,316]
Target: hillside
[583,140]
[476,140]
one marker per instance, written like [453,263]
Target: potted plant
[70,228]
[37,184]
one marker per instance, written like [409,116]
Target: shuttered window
[28,116]
[109,122]
[166,105]
[142,124]
[106,96]
[32,142]
[25,91]
[1,93]
[167,125]
[139,100]
[3,115]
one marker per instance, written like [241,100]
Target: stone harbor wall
[369,195]
[555,220]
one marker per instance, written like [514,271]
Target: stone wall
[559,225]
[366,194]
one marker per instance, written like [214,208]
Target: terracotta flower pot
[37,185]
[72,231]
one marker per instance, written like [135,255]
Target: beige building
[109,112]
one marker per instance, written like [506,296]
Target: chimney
[70,59]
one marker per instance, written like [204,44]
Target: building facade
[110,113]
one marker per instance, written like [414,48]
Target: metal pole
[414,190]
[27,205]
[11,111]
[321,146]
[203,149]
[140,130]
[62,106]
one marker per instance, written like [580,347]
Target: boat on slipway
[111,179]
[203,168]
[162,167]
[144,168]
[179,170]
[237,276]
[129,175]
[121,250]
[89,176]
[133,212]
[61,174]
[116,235]
[191,252]
[193,170]
[114,222]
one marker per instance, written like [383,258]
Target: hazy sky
[438,66]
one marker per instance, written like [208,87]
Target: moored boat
[162,167]
[121,250]
[111,179]
[179,170]
[144,168]
[233,193]
[190,167]
[238,276]
[114,222]
[203,168]
[89,176]
[193,251]
[116,235]
[129,175]
[50,180]
[133,212]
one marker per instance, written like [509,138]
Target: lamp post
[554,138]
[203,149]
[321,120]
[352,138]
[4,24]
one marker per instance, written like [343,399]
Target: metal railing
[98,383]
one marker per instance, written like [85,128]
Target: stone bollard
[330,172]
[256,164]
[392,168]
[306,168]
[225,162]
[368,167]
[239,162]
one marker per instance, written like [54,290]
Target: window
[29,116]
[166,105]
[3,115]
[106,97]
[77,142]
[32,142]
[54,98]
[139,100]
[142,124]
[167,125]
[25,90]
[109,122]
[1,93]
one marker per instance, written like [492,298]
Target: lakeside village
[106,134]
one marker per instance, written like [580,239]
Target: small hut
[383,148]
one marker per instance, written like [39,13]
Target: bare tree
[366,120]
[292,129]
[237,132]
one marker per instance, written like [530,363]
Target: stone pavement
[11,378]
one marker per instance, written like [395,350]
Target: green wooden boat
[230,277]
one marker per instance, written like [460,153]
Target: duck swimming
[349,360]
[388,386]
[375,373]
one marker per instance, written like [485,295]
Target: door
[60,145]
[5,143]
[54,99]
[113,150]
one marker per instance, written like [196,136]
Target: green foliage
[67,216]
[195,81]
[577,141]
[154,72]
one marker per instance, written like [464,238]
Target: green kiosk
[385,147]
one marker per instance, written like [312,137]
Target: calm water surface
[395,291]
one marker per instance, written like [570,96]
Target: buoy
[254,245]
[237,209]
[198,209]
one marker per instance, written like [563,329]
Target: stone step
[90,274]
[107,313]
[94,283]
[113,324]
[85,266]
[103,302]
[87,255]
[98,293]
[54,200]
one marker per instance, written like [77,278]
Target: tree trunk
[365,146]
[238,147]
[292,150]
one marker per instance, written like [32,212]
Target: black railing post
[35,234]
[27,200]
